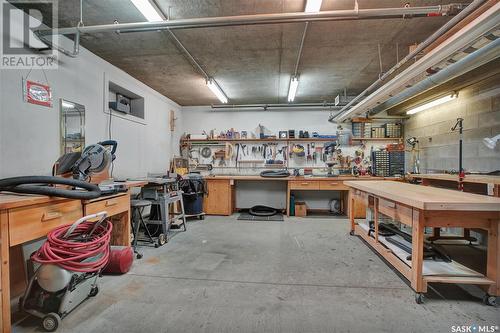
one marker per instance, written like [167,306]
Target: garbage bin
[193,188]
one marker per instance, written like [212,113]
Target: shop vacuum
[70,261]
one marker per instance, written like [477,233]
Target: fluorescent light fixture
[68,105]
[491,142]
[217,90]
[313,6]
[294,84]
[148,10]
[432,104]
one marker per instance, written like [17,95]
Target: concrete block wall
[479,105]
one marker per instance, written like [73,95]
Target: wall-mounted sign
[37,93]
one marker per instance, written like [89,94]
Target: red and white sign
[36,93]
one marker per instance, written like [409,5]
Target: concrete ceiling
[252,64]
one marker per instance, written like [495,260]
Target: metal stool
[138,221]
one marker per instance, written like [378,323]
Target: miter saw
[78,172]
[91,165]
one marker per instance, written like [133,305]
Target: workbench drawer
[304,185]
[32,222]
[332,185]
[396,211]
[112,206]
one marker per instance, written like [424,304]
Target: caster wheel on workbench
[94,291]
[162,239]
[351,232]
[139,255]
[490,300]
[51,322]
[201,217]
[419,298]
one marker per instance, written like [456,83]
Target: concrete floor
[301,275]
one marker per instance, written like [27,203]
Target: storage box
[300,209]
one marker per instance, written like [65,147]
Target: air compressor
[71,260]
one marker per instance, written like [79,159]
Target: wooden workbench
[221,193]
[25,218]
[480,184]
[422,206]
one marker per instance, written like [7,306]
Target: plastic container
[193,187]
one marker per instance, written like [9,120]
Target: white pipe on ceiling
[483,24]
[203,22]
[427,42]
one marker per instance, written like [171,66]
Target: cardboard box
[300,209]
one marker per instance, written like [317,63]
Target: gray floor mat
[248,217]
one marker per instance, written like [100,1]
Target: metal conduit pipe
[431,39]
[475,59]
[480,26]
[426,11]
[311,106]
[232,106]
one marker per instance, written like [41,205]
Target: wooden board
[427,198]
[11,200]
[480,179]
[299,178]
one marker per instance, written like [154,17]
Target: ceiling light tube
[432,104]
[313,6]
[294,84]
[148,10]
[214,87]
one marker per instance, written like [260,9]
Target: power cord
[109,137]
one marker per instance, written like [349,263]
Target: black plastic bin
[193,187]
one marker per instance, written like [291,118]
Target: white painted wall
[202,118]
[29,134]
[199,118]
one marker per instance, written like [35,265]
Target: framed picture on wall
[37,93]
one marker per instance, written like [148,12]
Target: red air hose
[77,253]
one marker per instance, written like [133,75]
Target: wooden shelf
[206,141]
[376,139]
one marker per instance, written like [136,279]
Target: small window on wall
[123,102]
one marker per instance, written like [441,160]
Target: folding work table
[419,207]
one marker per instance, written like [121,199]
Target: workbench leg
[4,273]
[375,218]
[288,199]
[417,252]
[351,211]
[493,258]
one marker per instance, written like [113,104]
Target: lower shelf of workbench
[432,271]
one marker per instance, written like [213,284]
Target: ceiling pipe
[204,22]
[476,59]
[299,54]
[431,39]
[264,107]
[483,24]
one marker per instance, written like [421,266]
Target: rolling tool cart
[164,194]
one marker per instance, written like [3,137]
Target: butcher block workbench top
[298,178]
[481,179]
[427,198]
[12,200]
